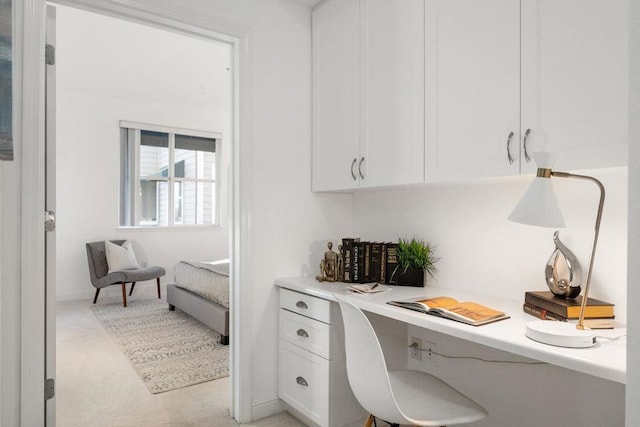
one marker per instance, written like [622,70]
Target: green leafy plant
[416,254]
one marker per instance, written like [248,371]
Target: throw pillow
[120,257]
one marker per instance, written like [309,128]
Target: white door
[50,207]
[473,88]
[336,95]
[575,80]
[392,135]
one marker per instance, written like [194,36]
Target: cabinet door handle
[302,304]
[360,168]
[509,157]
[302,333]
[524,145]
[353,174]
[302,381]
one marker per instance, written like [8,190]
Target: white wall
[481,251]
[118,71]
[633,349]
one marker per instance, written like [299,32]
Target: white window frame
[129,188]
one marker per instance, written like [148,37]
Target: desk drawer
[304,332]
[304,382]
[316,308]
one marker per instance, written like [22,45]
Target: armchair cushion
[138,275]
[120,257]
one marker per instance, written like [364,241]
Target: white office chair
[398,397]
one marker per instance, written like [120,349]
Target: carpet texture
[168,349]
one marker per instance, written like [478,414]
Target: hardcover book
[569,308]
[356,262]
[376,252]
[347,257]
[366,262]
[391,261]
[470,313]
[592,323]
[383,263]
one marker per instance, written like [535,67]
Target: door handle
[302,381]
[360,168]
[509,157]
[353,174]
[524,145]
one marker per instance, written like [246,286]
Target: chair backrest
[97,259]
[366,367]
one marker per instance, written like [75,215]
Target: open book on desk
[466,312]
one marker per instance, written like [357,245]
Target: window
[168,176]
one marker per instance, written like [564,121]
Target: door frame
[31,42]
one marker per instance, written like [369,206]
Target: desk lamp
[539,206]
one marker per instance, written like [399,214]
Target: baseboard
[266,408]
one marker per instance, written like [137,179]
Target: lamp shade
[539,206]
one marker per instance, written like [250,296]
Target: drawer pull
[302,333]
[302,381]
[302,304]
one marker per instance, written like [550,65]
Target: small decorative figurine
[563,272]
[328,265]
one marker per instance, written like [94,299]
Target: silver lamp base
[561,334]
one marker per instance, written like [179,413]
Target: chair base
[124,291]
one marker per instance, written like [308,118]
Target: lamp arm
[595,237]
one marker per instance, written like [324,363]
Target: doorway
[74,167]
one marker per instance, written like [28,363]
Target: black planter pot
[411,277]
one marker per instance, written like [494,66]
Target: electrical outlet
[416,349]
[429,355]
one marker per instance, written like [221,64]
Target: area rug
[168,349]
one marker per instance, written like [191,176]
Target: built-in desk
[607,359]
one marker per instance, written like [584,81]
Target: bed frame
[208,312]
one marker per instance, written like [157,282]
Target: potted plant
[415,257]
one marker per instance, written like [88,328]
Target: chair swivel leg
[124,294]
[133,285]
[158,286]
[95,298]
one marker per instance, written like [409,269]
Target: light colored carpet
[97,387]
[168,349]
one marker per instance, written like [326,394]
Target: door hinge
[49,54]
[49,388]
[49,221]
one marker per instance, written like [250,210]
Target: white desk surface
[607,359]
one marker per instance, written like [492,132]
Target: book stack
[545,305]
[368,262]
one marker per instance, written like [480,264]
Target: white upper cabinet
[368,94]
[392,142]
[336,95]
[473,88]
[575,81]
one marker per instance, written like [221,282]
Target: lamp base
[561,334]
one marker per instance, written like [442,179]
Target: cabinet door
[473,88]
[574,80]
[336,95]
[392,143]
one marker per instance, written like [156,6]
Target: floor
[96,386]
